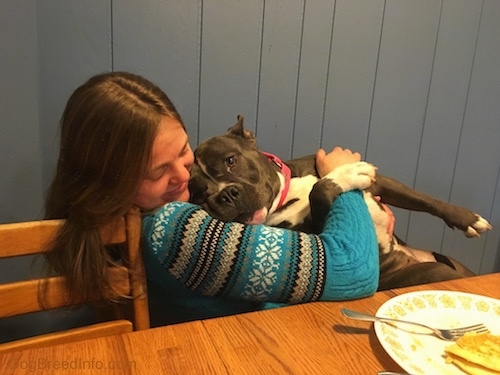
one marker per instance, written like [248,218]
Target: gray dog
[235,181]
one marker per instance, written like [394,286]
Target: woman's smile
[171,194]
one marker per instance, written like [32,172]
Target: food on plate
[476,353]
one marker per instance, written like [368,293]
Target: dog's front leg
[394,193]
[322,195]
[347,177]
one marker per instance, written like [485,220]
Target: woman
[123,144]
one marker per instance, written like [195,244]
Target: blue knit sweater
[200,267]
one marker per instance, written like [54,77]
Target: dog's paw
[481,225]
[359,175]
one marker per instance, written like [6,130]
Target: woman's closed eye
[157,173]
[170,162]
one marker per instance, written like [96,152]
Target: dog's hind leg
[394,193]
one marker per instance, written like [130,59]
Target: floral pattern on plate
[424,354]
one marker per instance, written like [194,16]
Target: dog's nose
[228,195]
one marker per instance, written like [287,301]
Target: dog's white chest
[296,212]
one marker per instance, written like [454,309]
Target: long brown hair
[107,133]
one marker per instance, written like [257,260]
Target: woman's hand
[325,163]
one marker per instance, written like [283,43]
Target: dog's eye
[230,162]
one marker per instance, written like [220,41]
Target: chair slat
[134,261]
[22,297]
[28,238]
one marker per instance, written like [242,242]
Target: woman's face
[167,176]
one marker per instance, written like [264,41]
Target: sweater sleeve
[262,263]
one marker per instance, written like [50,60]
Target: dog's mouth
[225,213]
[236,203]
[259,217]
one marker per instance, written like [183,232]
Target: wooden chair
[22,297]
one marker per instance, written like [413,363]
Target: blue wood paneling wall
[412,84]
[20,166]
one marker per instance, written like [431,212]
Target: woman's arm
[264,263]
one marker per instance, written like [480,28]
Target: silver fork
[445,334]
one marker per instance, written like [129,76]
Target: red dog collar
[287,174]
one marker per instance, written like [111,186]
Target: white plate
[424,354]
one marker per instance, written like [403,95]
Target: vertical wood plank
[281,43]
[229,64]
[21,177]
[476,171]
[353,65]
[161,40]
[313,74]
[401,88]
[74,43]
[449,87]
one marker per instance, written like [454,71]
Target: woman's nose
[180,174]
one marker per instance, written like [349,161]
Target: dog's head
[232,179]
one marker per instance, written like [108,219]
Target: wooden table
[312,338]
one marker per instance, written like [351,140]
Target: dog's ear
[239,130]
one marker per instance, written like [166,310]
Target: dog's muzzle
[229,195]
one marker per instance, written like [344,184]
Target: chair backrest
[29,238]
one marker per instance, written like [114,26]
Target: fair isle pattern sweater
[192,255]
